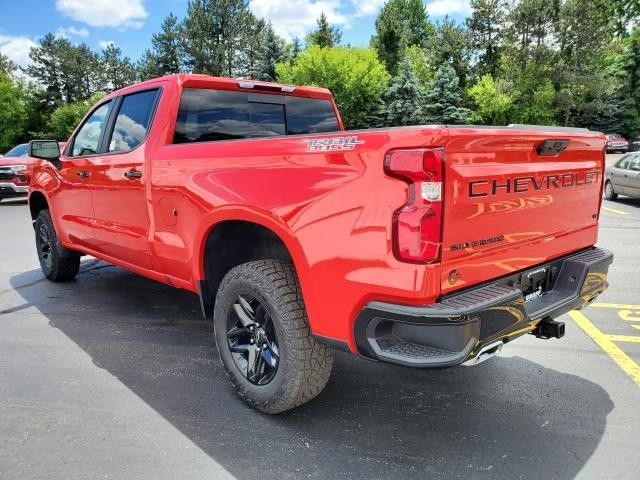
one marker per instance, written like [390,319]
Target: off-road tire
[58,269]
[304,365]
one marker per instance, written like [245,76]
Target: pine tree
[404,99]
[270,53]
[444,99]
[325,36]
[294,50]
[6,65]
[166,54]
[117,71]
[213,34]
[485,27]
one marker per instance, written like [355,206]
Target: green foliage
[354,75]
[450,45]
[166,55]
[485,30]
[13,113]
[7,66]
[404,99]
[400,24]
[272,51]
[66,117]
[494,100]
[444,99]
[417,57]
[536,104]
[325,35]
[213,32]
[630,63]
[67,71]
[116,71]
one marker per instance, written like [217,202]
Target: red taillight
[417,227]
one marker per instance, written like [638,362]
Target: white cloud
[72,31]
[104,13]
[295,18]
[440,8]
[105,43]
[367,7]
[17,48]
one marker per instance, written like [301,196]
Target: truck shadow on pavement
[508,418]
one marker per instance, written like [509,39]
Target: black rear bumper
[462,324]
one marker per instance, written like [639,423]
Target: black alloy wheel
[45,254]
[252,340]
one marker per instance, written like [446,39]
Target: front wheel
[609,192]
[263,337]
[55,267]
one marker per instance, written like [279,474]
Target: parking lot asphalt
[116,376]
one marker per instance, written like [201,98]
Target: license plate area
[535,283]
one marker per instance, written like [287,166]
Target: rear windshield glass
[207,115]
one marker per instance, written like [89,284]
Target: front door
[73,196]
[118,182]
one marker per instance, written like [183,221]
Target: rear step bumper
[471,326]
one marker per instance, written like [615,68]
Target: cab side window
[87,140]
[133,120]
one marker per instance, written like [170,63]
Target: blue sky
[130,23]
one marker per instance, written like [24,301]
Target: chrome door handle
[82,174]
[133,174]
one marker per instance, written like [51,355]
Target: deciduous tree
[400,24]
[355,76]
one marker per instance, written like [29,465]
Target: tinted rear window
[209,115]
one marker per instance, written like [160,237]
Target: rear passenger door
[118,185]
[618,175]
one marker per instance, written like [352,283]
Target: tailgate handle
[552,147]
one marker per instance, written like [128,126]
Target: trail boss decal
[333,144]
[484,188]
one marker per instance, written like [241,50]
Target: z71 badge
[333,144]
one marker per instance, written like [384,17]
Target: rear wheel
[609,192]
[264,340]
[54,266]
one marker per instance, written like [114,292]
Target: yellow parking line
[625,362]
[624,338]
[613,210]
[617,306]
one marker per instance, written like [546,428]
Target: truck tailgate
[509,205]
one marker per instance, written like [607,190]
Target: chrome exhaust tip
[485,353]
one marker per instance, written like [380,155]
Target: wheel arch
[218,249]
[37,202]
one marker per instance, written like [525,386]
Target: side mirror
[636,168]
[46,150]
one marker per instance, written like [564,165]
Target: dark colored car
[616,143]
[634,145]
[623,178]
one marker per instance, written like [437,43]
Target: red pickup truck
[426,246]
